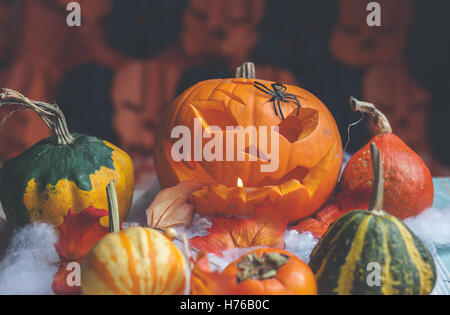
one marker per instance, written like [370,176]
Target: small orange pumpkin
[310,149]
[408,185]
[135,261]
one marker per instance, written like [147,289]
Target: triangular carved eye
[295,128]
[213,113]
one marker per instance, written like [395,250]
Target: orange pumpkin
[408,185]
[309,151]
[140,91]
[271,272]
[27,128]
[135,261]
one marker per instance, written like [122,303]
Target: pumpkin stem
[381,121]
[376,201]
[113,207]
[246,71]
[260,268]
[51,114]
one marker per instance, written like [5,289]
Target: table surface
[442,201]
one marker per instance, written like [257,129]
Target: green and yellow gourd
[62,172]
[346,259]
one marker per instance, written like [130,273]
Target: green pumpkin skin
[71,176]
[341,259]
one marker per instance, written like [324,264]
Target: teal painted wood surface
[442,201]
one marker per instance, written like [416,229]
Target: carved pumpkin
[27,128]
[134,261]
[8,28]
[357,44]
[309,159]
[403,101]
[221,28]
[140,91]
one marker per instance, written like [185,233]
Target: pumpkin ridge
[425,272]
[330,236]
[401,254]
[386,275]
[330,241]
[349,267]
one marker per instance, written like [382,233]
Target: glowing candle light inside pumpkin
[240,183]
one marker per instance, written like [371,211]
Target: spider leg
[263,88]
[279,107]
[294,98]
[275,105]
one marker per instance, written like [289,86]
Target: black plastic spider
[278,95]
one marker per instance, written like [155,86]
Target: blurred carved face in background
[91,10]
[357,44]
[225,28]
[403,101]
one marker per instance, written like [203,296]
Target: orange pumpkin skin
[293,278]
[408,185]
[134,261]
[310,149]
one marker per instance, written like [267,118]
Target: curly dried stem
[51,114]
[381,121]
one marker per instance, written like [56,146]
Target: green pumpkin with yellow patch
[372,252]
[62,172]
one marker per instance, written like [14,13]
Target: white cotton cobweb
[29,264]
[198,227]
[300,244]
[432,226]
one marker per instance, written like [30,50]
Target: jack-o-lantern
[274,141]
[140,91]
[27,128]
[403,101]
[221,28]
[355,43]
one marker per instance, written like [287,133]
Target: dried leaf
[266,229]
[205,282]
[170,207]
[319,225]
[329,213]
[78,235]
[312,225]
[60,284]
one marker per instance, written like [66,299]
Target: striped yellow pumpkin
[137,261]
[372,252]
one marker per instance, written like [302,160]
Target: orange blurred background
[114,75]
